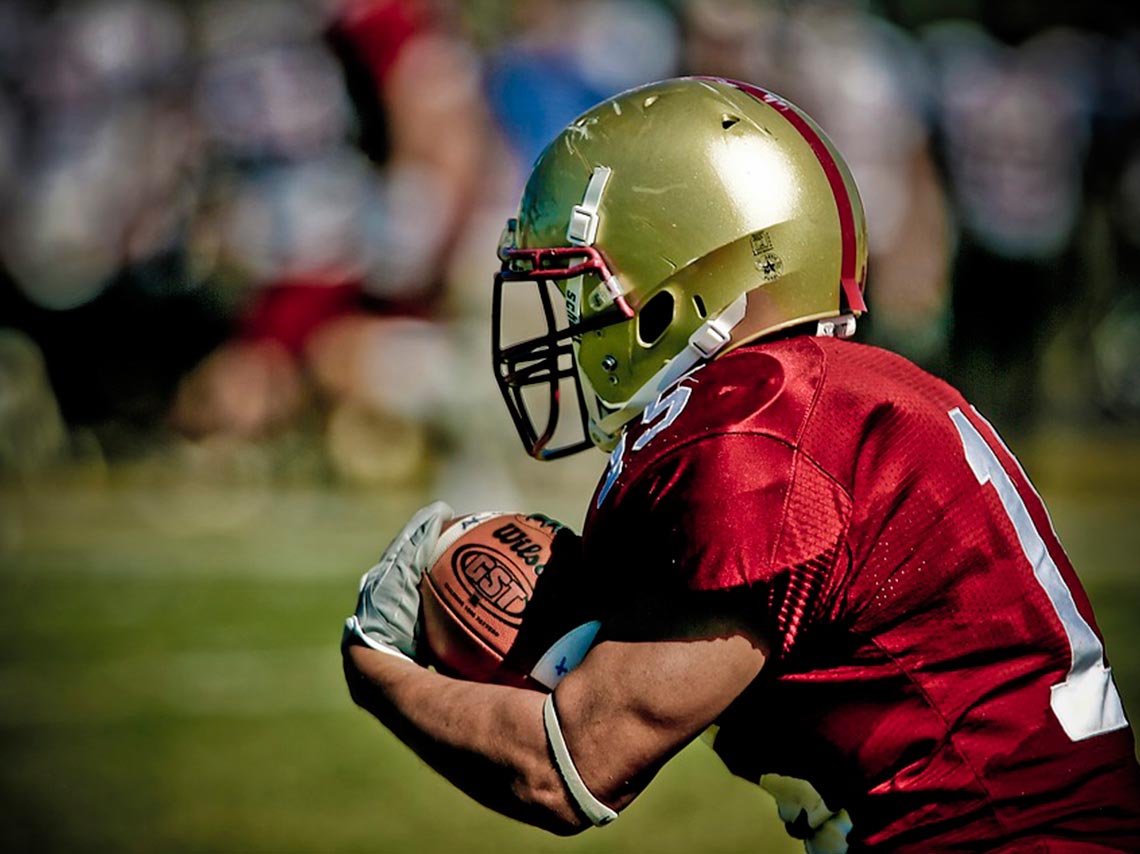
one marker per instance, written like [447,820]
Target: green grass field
[170,681]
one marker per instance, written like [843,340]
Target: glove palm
[388,606]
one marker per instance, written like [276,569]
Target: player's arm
[657,681]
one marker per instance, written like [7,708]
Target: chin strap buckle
[714,334]
[709,340]
[836,327]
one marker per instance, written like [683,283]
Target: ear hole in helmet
[654,319]
[729,121]
[699,305]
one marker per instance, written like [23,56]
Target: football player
[815,550]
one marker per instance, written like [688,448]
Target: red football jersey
[935,666]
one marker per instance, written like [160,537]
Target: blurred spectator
[98,199]
[341,205]
[1018,109]
[561,57]
[1109,311]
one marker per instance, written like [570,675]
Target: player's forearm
[488,740]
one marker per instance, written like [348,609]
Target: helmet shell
[716,189]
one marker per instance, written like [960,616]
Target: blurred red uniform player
[808,546]
[348,243]
[374,38]
[386,45]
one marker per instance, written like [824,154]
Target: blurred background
[246,249]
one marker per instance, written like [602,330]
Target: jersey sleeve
[748,510]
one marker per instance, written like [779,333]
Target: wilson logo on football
[512,536]
[485,576]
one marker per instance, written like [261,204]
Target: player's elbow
[546,802]
[571,828]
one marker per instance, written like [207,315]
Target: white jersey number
[1086,702]
[665,410]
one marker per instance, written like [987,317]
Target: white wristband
[597,812]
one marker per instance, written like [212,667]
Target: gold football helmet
[664,227]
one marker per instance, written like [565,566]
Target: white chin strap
[710,338]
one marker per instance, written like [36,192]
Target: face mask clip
[606,294]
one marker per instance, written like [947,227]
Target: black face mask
[535,374]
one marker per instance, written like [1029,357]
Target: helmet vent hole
[655,318]
[729,121]
[699,305]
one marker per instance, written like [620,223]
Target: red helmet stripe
[848,275]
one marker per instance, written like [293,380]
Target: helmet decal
[849,276]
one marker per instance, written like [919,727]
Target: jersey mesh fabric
[913,649]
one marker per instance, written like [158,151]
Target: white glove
[388,608]
[806,816]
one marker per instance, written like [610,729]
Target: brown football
[480,619]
